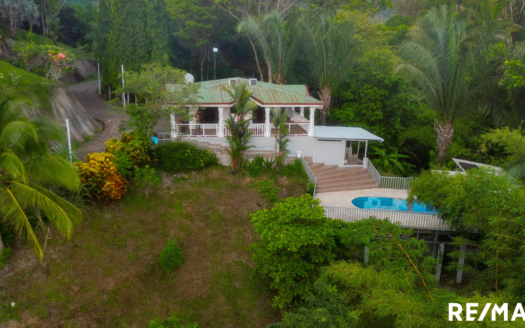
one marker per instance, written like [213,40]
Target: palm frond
[53,169]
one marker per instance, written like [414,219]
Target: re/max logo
[455,310]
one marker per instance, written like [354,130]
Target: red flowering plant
[58,62]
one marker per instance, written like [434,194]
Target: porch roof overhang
[265,94]
[342,132]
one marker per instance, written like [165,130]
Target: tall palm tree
[439,60]
[332,47]
[271,37]
[27,167]
[238,124]
[279,121]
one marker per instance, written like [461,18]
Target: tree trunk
[326,97]
[257,60]
[445,133]
[13,27]
[1,244]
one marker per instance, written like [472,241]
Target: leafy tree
[159,91]
[488,209]
[139,35]
[26,168]
[333,48]
[296,240]
[237,125]
[372,98]
[18,12]
[196,24]
[513,144]
[439,61]
[146,177]
[101,39]
[49,11]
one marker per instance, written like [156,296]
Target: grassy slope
[107,276]
[38,39]
[30,86]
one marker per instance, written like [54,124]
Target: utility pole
[215,50]
[99,83]
[123,94]
[69,141]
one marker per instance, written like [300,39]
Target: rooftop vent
[253,81]
[232,81]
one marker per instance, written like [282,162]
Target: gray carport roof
[342,132]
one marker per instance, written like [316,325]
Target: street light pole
[215,50]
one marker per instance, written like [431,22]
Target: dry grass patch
[107,275]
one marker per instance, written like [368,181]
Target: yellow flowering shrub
[102,177]
[137,147]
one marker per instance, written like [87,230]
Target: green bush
[177,157]
[294,168]
[296,241]
[269,191]
[174,321]
[170,257]
[5,255]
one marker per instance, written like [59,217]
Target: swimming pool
[382,203]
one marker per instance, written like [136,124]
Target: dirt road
[87,95]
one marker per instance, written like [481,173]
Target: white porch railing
[387,182]
[405,219]
[257,129]
[311,176]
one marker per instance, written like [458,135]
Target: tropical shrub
[46,60]
[170,257]
[175,321]
[5,255]
[296,241]
[269,191]
[146,177]
[135,145]
[177,157]
[101,177]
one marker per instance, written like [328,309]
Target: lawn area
[107,275]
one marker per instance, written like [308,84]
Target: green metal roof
[264,93]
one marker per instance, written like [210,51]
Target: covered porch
[342,146]
[208,118]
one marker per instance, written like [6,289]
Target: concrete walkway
[344,198]
[87,95]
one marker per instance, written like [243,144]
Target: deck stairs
[334,178]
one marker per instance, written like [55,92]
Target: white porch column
[302,112]
[248,116]
[220,132]
[365,159]
[193,121]
[312,120]
[174,130]
[267,128]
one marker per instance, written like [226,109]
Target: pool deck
[344,198]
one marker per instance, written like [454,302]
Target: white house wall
[302,143]
[329,152]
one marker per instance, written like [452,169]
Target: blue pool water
[382,203]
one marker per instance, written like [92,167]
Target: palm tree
[270,36]
[26,168]
[238,124]
[281,131]
[439,60]
[332,47]
[17,12]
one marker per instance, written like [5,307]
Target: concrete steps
[334,178]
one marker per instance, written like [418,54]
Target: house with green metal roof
[329,145]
